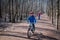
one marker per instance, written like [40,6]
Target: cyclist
[39,14]
[31,19]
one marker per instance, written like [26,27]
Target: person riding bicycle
[31,19]
[39,14]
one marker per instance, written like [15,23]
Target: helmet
[31,12]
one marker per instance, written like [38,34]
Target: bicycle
[30,31]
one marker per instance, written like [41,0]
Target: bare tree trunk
[13,19]
[57,14]
[9,11]
[52,10]
[0,9]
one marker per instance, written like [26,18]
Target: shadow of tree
[26,27]
[51,25]
[44,20]
[16,36]
[41,36]
[5,25]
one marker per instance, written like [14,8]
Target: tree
[0,9]
[57,14]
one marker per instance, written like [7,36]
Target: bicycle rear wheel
[29,34]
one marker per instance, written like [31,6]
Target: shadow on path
[16,36]
[42,36]
[43,20]
[49,24]
[26,27]
[48,37]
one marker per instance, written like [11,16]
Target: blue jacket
[31,19]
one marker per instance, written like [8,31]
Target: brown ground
[18,31]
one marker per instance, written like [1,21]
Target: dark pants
[38,17]
[33,26]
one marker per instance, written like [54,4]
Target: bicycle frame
[29,33]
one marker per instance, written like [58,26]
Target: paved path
[18,31]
